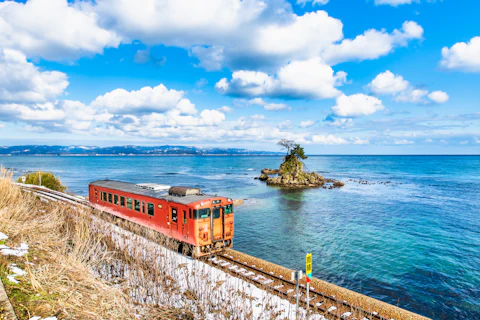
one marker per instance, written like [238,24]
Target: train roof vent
[152,186]
[183,191]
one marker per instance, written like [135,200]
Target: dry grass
[63,253]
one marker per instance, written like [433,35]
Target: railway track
[319,303]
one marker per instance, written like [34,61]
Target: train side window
[137,205]
[129,203]
[190,213]
[101,196]
[174,215]
[104,196]
[110,197]
[151,209]
[115,199]
[122,201]
[184,217]
[202,213]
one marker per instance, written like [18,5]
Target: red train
[203,224]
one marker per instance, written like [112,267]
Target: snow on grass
[3,236]
[17,272]
[18,251]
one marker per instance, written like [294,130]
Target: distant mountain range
[36,150]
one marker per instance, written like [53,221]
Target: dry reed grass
[62,253]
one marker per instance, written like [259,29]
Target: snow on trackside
[18,251]
[17,272]
[211,286]
[3,236]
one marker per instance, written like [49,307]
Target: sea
[403,229]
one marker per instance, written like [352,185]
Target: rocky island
[291,174]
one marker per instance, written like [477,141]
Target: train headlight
[229,200]
[201,204]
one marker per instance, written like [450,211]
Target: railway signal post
[308,276]
[296,276]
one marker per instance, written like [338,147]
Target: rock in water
[338,184]
[269,171]
[291,175]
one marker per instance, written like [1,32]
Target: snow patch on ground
[18,251]
[16,272]
[3,236]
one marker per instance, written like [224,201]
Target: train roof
[158,194]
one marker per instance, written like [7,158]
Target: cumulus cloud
[328,139]
[225,109]
[387,83]
[379,43]
[462,56]
[310,79]
[287,124]
[22,82]
[357,140]
[314,2]
[53,29]
[393,2]
[439,96]
[339,122]
[307,124]
[147,99]
[356,105]
[403,142]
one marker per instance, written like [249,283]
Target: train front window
[129,203]
[122,201]
[110,197]
[151,209]
[115,199]
[202,213]
[216,213]
[137,205]
[174,215]
[229,208]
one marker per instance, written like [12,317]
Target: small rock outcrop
[269,171]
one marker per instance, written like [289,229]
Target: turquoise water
[410,237]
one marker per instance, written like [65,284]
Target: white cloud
[287,124]
[388,83]
[299,79]
[22,82]
[464,142]
[53,29]
[393,2]
[379,43]
[307,124]
[428,140]
[340,122]
[314,2]
[146,100]
[463,56]
[257,117]
[439,96]
[328,139]
[225,109]
[357,140]
[356,105]
[403,142]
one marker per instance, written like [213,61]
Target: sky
[336,76]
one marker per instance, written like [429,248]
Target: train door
[173,220]
[217,223]
[184,224]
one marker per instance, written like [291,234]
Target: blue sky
[338,76]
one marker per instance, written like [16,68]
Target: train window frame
[122,201]
[143,207]
[150,209]
[219,212]
[129,203]
[110,198]
[174,215]
[228,209]
[135,202]
[198,215]
[102,196]
[184,216]
[115,199]
[190,214]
